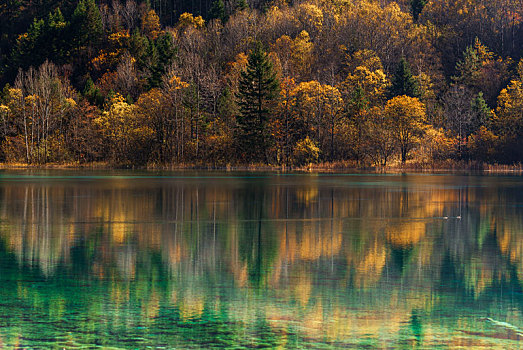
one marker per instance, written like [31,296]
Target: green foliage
[166,54]
[403,83]
[86,24]
[154,56]
[481,111]
[93,94]
[45,40]
[258,89]
[469,68]
[217,11]
[358,102]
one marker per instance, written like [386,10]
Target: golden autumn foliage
[188,20]
[407,118]
[436,144]
[151,25]
[123,129]
[341,56]
[510,105]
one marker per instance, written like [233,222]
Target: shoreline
[329,167]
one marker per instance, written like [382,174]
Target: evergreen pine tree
[358,102]
[258,88]
[28,50]
[92,93]
[416,6]
[166,52]
[481,113]
[403,82]
[55,37]
[44,40]
[468,69]
[218,11]
[86,23]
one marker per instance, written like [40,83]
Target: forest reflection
[278,260]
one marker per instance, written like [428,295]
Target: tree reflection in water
[260,260]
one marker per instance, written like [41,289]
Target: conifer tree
[218,11]
[403,82]
[86,24]
[416,6]
[481,111]
[159,55]
[469,68]
[258,88]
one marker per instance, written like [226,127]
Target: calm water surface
[136,260]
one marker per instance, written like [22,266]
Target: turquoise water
[136,260]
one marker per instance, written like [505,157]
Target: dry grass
[67,165]
[338,166]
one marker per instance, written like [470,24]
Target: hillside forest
[237,82]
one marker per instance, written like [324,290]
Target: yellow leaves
[105,58]
[436,144]
[311,16]
[302,42]
[31,100]
[312,102]
[119,37]
[4,110]
[117,99]
[297,54]
[482,51]
[426,86]
[234,70]
[149,99]
[115,121]
[406,110]
[123,126]
[70,102]
[374,83]
[287,87]
[407,118]
[306,151]
[188,20]
[241,60]
[367,73]
[366,58]
[15,94]
[151,25]
[509,114]
[176,81]
[301,53]
[519,70]
[510,101]
[483,144]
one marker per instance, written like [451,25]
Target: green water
[136,260]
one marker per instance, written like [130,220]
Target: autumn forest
[282,83]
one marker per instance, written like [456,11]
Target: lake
[189,260]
